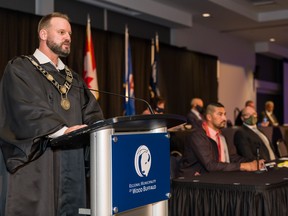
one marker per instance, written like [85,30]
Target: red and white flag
[90,72]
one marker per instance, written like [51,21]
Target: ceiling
[252,20]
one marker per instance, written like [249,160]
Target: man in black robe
[42,99]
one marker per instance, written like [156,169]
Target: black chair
[282,148]
[175,157]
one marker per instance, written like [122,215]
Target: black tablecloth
[231,194]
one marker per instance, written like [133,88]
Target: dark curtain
[186,74]
[183,74]
[18,35]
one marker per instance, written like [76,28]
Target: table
[231,194]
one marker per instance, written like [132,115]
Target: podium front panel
[140,170]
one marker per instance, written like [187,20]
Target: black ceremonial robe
[40,181]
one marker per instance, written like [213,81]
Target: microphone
[120,95]
[257,160]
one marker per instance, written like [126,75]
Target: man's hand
[73,128]
[252,166]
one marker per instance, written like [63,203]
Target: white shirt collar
[43,59]
[252,127]
[196,113]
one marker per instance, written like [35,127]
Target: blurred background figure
[267,116]
[158,106]
[195,115]
[238,120]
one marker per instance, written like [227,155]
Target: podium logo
[142,161]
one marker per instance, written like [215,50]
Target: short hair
[45,21]
[160,100]
[195,101]
[248,102]
[157,100]
[247,108]
[269,103]
[211,107]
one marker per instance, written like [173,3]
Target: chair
[228,133]
[282,148]
[175,157]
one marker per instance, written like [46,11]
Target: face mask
[159,110]
[199,109]
[252,120]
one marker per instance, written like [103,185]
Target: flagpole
[88,32]
[152,51]
[126,63]
[157,42]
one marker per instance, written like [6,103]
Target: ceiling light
[206,15]
[272,40]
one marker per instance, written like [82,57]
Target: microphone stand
[120,95]
[257,159]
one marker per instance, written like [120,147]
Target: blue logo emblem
[142,161]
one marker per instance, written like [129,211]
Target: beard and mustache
[57,48]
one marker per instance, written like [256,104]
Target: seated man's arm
[207,155]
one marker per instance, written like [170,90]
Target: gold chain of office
[63,89]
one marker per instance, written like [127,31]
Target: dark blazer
[201,155]
[247,141]
[193,120]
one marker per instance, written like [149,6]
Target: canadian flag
[90,72]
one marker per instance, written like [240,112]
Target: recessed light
[272,40]
[206,15]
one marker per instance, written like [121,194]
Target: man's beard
[221,125]
[57,48]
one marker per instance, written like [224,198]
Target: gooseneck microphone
[119,95]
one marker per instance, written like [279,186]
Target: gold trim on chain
[63,89]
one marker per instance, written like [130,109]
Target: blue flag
[153,86]
[129,103]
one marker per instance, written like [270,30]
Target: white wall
[229,49]
[236,86]
[236,63]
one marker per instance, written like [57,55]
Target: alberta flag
[129,104]
[153,86]
[90,73]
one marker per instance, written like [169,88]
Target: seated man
[250,141]
[206,149]
[238,120]
[194,117]
[267,116]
